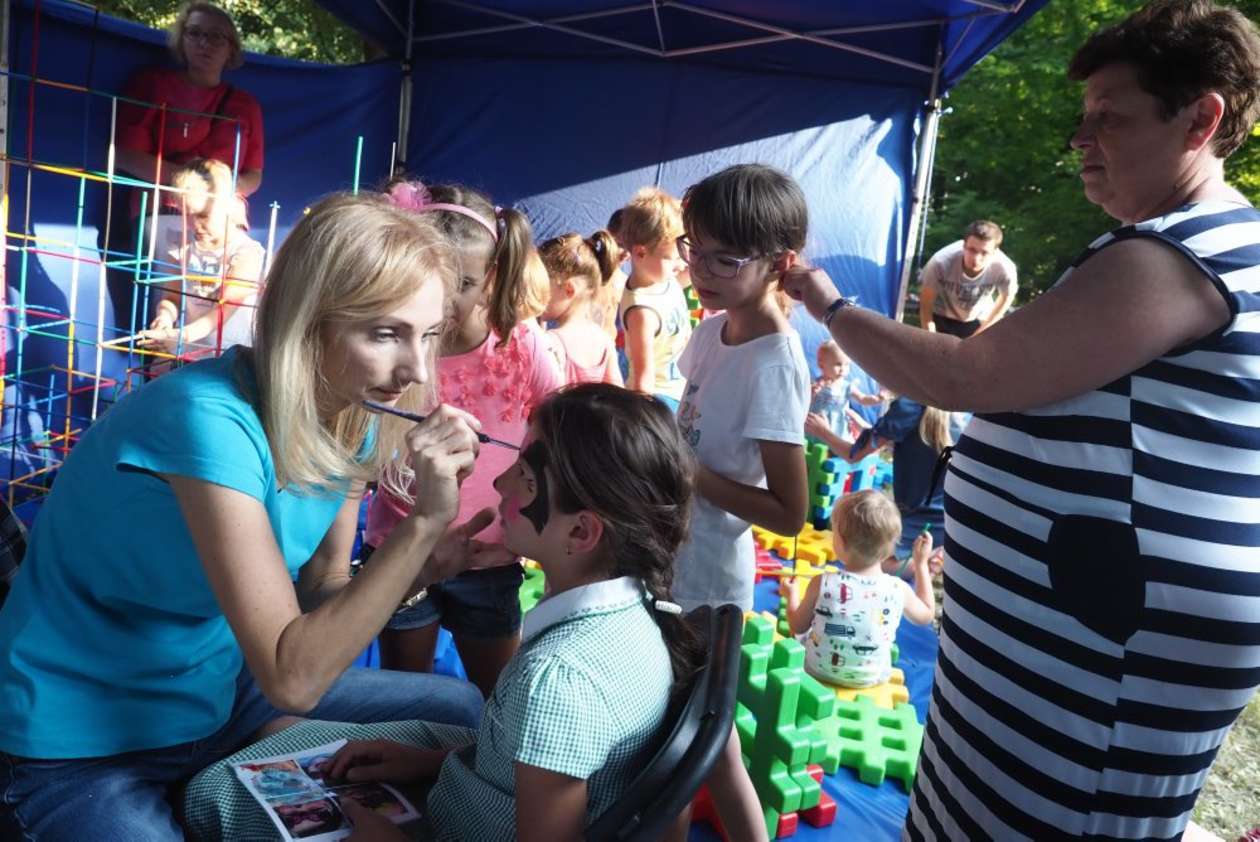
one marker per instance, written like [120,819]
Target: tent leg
[404,95]
[922,185]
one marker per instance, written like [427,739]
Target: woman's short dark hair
[1181,50]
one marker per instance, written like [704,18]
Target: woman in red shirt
[201,115]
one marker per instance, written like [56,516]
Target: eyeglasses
[716,264]
[208,36]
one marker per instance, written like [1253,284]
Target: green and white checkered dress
[585,696]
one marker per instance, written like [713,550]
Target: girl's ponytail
[510,287]
[604,247]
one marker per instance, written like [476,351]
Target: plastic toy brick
[874,741]
[824,812]
[888,695]
[777,716]
[531,586]
[785,826]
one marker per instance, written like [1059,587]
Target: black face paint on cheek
[539,509]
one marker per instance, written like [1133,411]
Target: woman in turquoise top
[178,592]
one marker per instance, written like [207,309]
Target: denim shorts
[476,603]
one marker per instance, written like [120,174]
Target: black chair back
[702,718]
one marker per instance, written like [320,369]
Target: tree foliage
[291,28]
[1003,150]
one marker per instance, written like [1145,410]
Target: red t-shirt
[186,135]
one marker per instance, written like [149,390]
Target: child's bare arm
[781,506]
[920,605]
[641,325]
[801,608]
[863,398]
[549,805]
[734,797]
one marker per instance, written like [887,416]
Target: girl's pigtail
[686,649]
[509,291]
[604,247]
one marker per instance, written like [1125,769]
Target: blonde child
[653,310]
[497,369]
[221,264]
[579,270]
[849,619]
[831,395]
[600,497]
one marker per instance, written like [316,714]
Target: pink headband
[413,196]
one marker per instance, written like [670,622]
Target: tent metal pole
[513,27]
[387,13]
[405,92]
[546,24]
[922,179]
[998,7]
[647,6]
[801,36]
[5,21]
[660,33]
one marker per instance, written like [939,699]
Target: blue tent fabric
[566,128]
[963,30]
[569,147]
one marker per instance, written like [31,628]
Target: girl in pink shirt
[579,270]
[494,367]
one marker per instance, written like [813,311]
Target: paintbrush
[411,416]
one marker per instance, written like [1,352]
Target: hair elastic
[414,196]
[666,607]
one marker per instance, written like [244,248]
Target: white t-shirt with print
[849,642]
[736,396]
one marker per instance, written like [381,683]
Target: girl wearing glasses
[744,405]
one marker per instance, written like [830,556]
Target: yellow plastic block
[886,695]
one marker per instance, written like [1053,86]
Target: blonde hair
[651,217]
[175,37]
[869,524]
[537,288]
[215,177]
[352,257]
[831,347]
[934,428]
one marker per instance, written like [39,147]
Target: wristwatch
[836,306]
[411,601]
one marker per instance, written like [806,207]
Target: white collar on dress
[584,599]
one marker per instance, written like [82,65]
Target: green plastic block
[532,585]
[777,717]
[874,741]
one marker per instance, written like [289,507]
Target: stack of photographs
[305,805]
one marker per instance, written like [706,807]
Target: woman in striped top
[1102,579]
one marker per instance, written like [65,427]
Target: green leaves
[1003,151]
[291,28]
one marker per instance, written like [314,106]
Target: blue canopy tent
[564,107]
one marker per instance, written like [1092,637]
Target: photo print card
[304,804]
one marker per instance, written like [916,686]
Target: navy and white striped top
[1102,586]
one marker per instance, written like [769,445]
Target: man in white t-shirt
[969,284]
